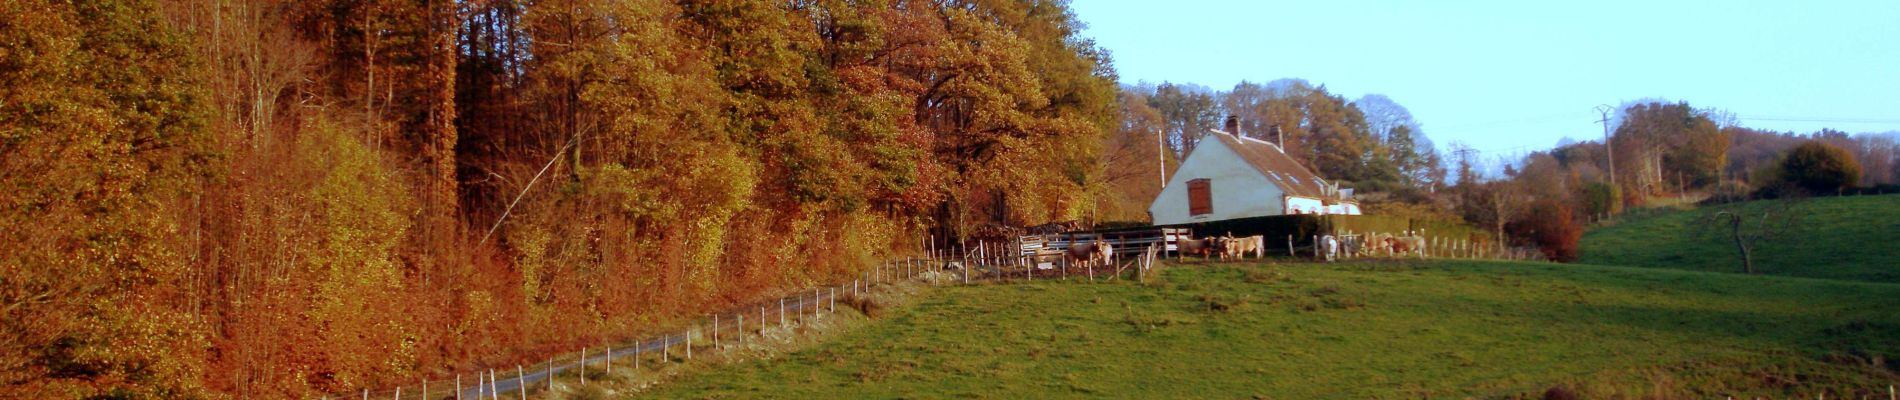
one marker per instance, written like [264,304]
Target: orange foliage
[282,199]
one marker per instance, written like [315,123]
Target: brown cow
[1401,245]
[1091,252]
[1200,247]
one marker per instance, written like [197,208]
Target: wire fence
[975,264]
[711,332]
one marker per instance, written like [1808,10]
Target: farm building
[1228,176]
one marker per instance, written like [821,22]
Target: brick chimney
[1233,125]
[1279,138]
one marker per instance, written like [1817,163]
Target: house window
[1200,198]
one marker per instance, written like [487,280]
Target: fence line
[799,306]
[982,262]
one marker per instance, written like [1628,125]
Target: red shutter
[1200,199]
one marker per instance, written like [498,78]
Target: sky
[1515,76]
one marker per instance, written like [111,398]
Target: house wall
[1305,205]
[1237,189]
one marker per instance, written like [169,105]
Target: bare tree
[1748,226]
[1504,199]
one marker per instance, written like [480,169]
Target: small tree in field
[1748,228]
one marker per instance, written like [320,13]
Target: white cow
[1331,246]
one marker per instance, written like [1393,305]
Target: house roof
[1276,165]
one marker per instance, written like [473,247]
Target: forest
[268,199]
[287,198]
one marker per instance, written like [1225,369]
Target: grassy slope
[1854,238]
[1358,330]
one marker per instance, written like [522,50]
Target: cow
[1092,252]
[1329,245]
[1201,247]
[1352,245]
[1239,247]
[1401,245]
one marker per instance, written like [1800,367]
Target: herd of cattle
[1224,247]
[1328,247]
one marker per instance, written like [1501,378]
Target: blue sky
[1513,76]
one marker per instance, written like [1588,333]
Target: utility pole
[1604,109]
[1161,156]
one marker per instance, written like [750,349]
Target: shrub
[1550,225]
[1728,191]
[1599,198]
[1820,168]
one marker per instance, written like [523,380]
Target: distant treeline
[1663,152]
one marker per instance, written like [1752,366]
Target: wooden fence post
[458,386]
[980,252]
[1029,272]
[781,312]
[966,271]
[610,359]
[1289,247]
[689,344]
[1065,268]
[583,369]
[521,379]
[636,361]
[494,387]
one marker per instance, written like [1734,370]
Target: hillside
[1848,238]
[1427,329]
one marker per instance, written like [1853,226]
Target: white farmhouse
[1229,177]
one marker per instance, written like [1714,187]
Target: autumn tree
[1819,168]
[1384,115]
[1134,161]
[1550,224]
[102,138]
[1878,155]
[1189,114]
[1657,142]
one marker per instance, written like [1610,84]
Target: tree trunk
[1741,243]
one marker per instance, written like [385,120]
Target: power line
[1605,109]
[1823,119]
[1510,122]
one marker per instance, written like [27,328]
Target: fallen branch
[525,188]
